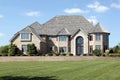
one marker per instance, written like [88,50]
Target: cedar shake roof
[62,25]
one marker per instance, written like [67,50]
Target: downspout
[88,46]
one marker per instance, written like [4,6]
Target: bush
[4,50]
[24,55]
[31,49]
[63,54]
[49,54]
[13,50]
[119,51]
[70,54]
[56,54]
[111,51]
[84,54]
[103,55]
[97,52]
[114,55]
[78,54]
[107,52]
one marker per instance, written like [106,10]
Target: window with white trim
[25,36]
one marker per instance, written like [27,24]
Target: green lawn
[61,70]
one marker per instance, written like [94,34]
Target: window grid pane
[97,37]
[24,48]
[63,49]
[25,36]
[98,47]
[63,38]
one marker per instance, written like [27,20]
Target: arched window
[79,45]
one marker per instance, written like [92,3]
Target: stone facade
[80,36]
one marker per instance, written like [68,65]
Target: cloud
[1,16]
[33,13]
[75,10]
[115,5]
[96,6]
[1,34]
[93,20]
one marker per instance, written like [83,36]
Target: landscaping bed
[53,58]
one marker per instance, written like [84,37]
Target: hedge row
[114,55]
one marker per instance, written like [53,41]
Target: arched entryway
[79,45]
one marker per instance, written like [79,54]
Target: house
[73,34]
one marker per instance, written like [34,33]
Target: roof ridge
[63,29]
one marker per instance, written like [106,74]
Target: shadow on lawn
[26,78]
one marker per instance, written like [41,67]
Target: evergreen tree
[13,50]
[31,49]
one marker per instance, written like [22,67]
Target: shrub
[70,54]
[114,55]
[24,55]
[43,54]
[49,54]
[63,54]
[13,50]
[107,52]
[103,55]
[4,50]
[56,54]
[97,52]
[78,54]
[111,51]
[116,48]
[31,49]
[84,54]
[119,51]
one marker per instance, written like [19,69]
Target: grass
[61,70]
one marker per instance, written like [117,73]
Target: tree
[4,50]
[13,50]
[116,48]
[31,49]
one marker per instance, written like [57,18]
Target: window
[24,49]
[98,47]
[49,38]
[105,37]
[79,45]
[90,37]
[25,36]
[97,37]
[63,38]
[62,49]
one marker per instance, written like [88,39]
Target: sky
[17,14]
